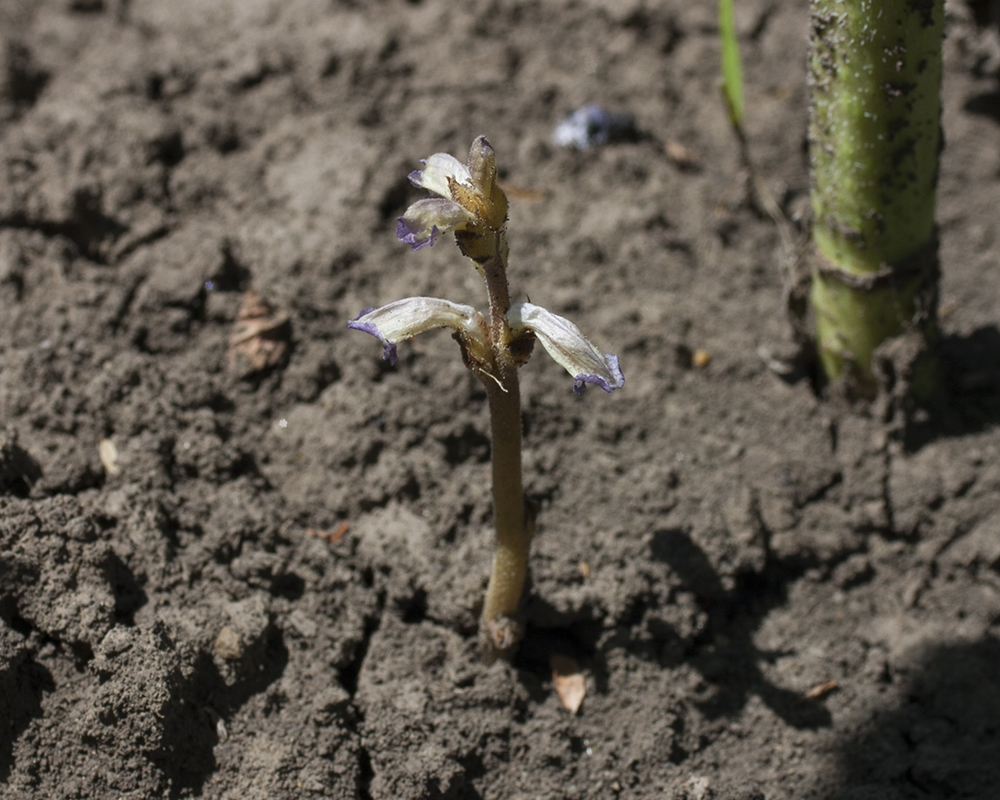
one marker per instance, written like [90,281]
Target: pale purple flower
[568,347]
[404,319]
[468,197]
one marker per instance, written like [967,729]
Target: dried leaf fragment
[568,681]
[333,536]
[260,337]
[823,689]
[525,193]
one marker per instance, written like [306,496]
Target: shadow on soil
[191,728]
[18,470]
[22,684]
[986,104]
[971,366]
[943,741]
[724,653]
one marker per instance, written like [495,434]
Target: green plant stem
[732,64]
[875,140]
[499,628]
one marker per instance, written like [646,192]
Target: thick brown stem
[495,273]
[499,628]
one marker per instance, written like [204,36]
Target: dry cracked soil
[241,556]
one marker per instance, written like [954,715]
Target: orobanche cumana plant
[471,203]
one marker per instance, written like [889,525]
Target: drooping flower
[469,198]
[404,319]
[568,347]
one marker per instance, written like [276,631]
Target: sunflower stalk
[875,142]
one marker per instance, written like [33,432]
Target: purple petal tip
[359,316]
[412,237]
[388,348]
[617,378]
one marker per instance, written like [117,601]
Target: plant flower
[469,198]
[404,319]
[568,347]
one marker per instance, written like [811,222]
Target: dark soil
[254,573]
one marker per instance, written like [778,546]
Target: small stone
[228,645]
[108,453]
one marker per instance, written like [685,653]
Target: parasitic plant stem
[498,625]
[499,629]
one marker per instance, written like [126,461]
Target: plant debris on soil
[242,557]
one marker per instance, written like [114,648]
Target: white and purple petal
[437,169]
[362,322]
[568,347]
[404,319]
[616,382]
[427,218]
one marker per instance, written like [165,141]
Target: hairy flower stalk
[471,203]
[875,141]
